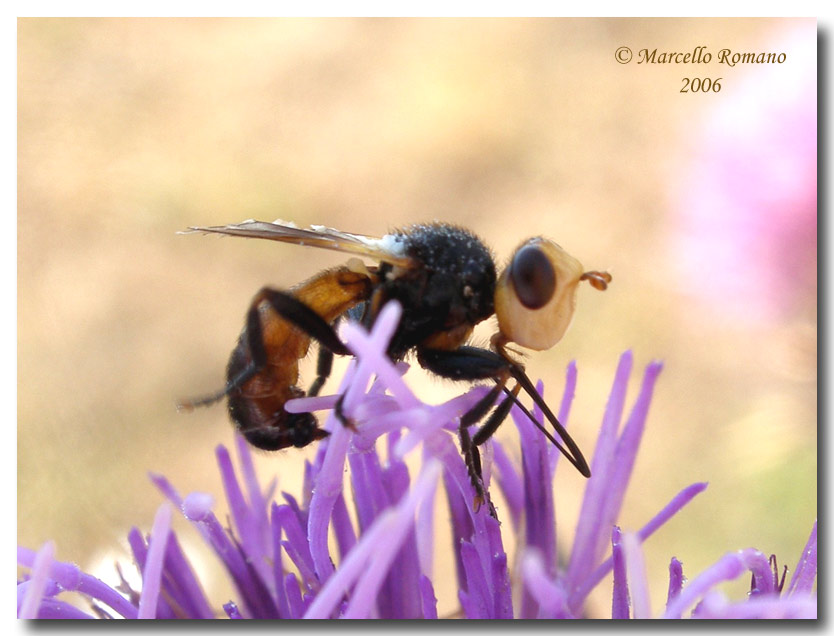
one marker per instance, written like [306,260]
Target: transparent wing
[390,248]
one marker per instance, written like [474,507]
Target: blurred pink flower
[746,224]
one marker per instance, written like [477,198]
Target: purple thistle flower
[382,567]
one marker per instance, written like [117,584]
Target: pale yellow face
[536,294]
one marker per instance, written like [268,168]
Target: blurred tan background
[130,130]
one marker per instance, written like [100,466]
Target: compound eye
[533,277]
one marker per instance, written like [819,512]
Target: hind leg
[293,311]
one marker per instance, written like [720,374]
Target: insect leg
[301,316]
[339,412]
[496,418]
[257,358]
[324,365]
[472,459]
[572,451]
[473,363]
[464,363]
[293,311]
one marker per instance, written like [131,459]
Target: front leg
[472,364]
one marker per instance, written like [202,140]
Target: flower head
[745,224]
[383,565]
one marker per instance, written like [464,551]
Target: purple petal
[677,502]
[540,520]
[636,573]
[477,589]
[231,610]
[429,601]
[627,446]
[425,421]
[250,587]
[466,605]
[499,574]
[310,404]
[374,491]
[403,580]
[258,517]
[296,545]
[51,589]
[484,565]
[331,593]
[759,565]
[468,525]
[564,411]
[38,581]
[70,578]
[152,572]
[368,562]
[182,585]
[343,526]
[459,494]
[51,608]
[380,415]
[249,583]
[197,505]
[424,533]
[166,488]
[568,393]
[170,493]
[299,512]
[619,602]
[328,487]
[366,476]
[139,547]
[367,587]
[296,603]
[729,567]
[715,606]
[509,482]
[607,440]
[251,524]
[371,350]
[97,589]
[461,524]
[619,471]
[802,581]
[247,468]
[549,595]
[278,564]
[675,580]
[590,531]
[67,575]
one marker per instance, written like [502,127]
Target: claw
[340,415]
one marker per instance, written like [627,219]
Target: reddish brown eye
[533,277]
